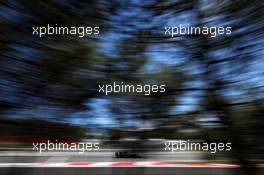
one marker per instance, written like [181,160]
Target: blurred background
[214,86]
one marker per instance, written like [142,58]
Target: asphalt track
[56,157]
[122,171]
[50,158]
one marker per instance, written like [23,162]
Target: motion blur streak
[214,85]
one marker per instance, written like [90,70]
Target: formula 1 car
[127,154]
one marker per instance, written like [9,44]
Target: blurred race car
[128,148]
[127,154]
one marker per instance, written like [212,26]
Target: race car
[127,154]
